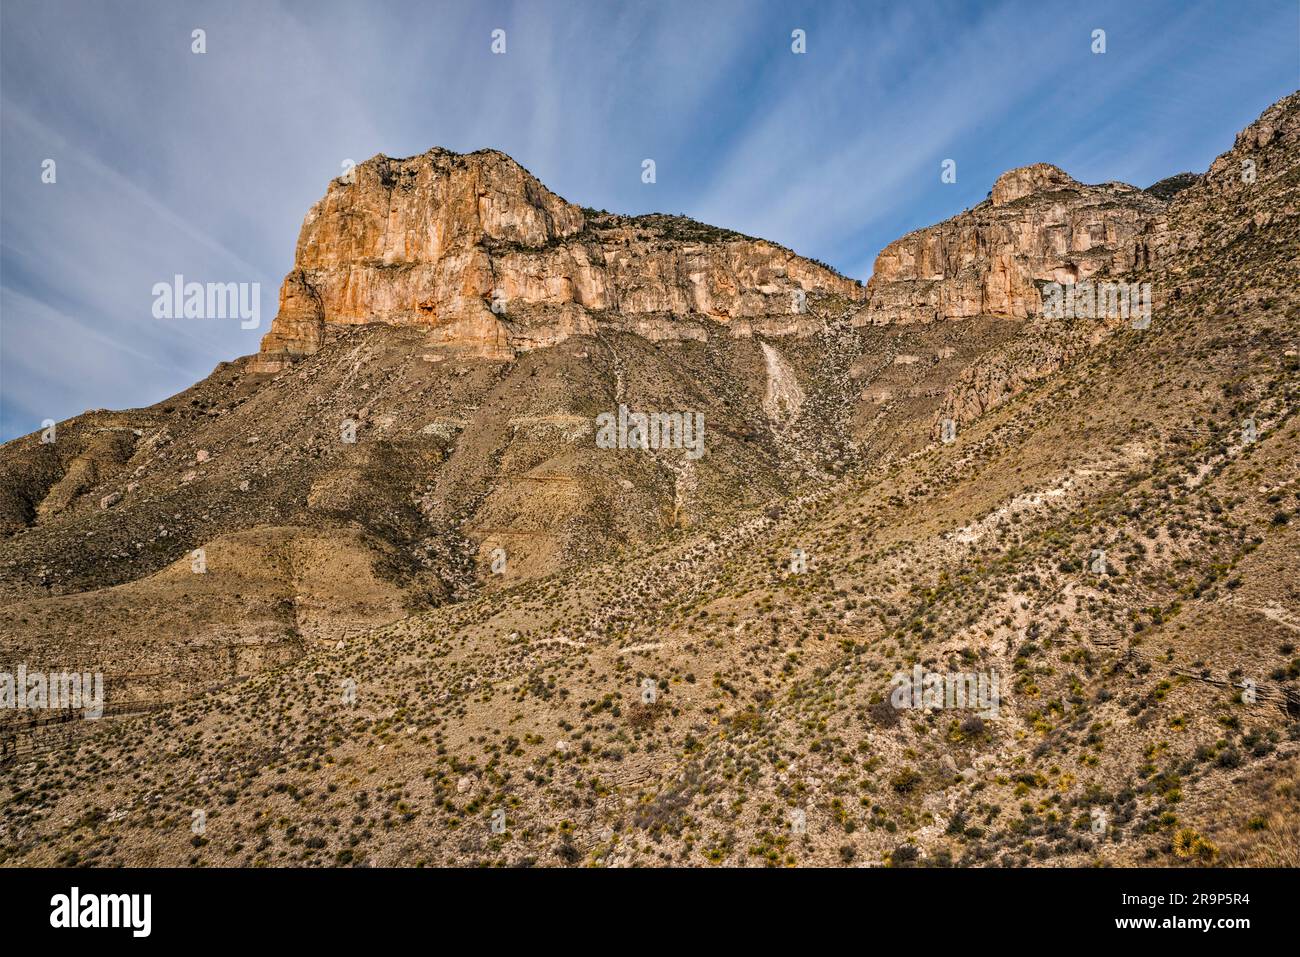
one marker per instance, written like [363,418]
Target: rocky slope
[767,593]
[439,449]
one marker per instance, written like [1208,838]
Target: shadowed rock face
[1038,225]
[493,263]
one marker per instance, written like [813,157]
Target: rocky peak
[1247,190]
[1039,225]
[475,248]
[1018,183]
[1262,151]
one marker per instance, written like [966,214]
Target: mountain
[488,261]
[438,623]
[1038,225]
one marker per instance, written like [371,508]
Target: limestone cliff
[1038,225]
[1245,201]
[492,262]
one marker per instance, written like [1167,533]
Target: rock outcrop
[493,263]
[1243,201]
[1038,225]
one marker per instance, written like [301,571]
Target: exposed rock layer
[492,262]
[1038,225]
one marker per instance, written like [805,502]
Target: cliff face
[493,263]
[1245,202]
[1038,225]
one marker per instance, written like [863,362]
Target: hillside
[690,661]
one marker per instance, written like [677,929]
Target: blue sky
[171,162]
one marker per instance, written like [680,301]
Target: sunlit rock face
[1038,225]
[493,263]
